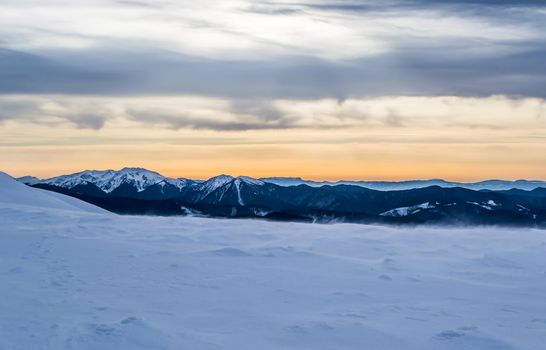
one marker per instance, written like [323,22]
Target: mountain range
[141,191]
[493,185]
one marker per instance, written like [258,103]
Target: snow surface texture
[78,279]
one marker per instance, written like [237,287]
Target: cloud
[219,114]
[508,3]
[89,121]
[402,72]
[257,50]
[16,109]
[174,120]
[51,111]
[264,110]
[367,6]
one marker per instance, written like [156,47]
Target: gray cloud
[89,121]
[437,71]
[364,6]
[93,112]
[264,110]
[482,7]
[36,111]
[394,119]
[11,109]
[508,3]
[414,63]
[181,120]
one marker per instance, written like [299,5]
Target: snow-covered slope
[223,184]
[84,282]
[212,184]
[405,211]
[15,193]
[92,282]
[178,183]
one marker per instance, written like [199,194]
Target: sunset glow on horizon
[320,90]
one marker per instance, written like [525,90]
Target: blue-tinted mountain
[492,185]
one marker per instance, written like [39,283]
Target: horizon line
[318,180]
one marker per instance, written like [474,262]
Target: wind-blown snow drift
[101,281]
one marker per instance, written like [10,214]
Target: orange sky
[275,88]
[450,138]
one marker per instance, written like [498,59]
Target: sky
[333,89]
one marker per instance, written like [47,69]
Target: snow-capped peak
[220,179]
[216,182]
[249,180]
[178,183]
[108,180]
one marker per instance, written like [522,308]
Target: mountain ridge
[140,191]
[109,180]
